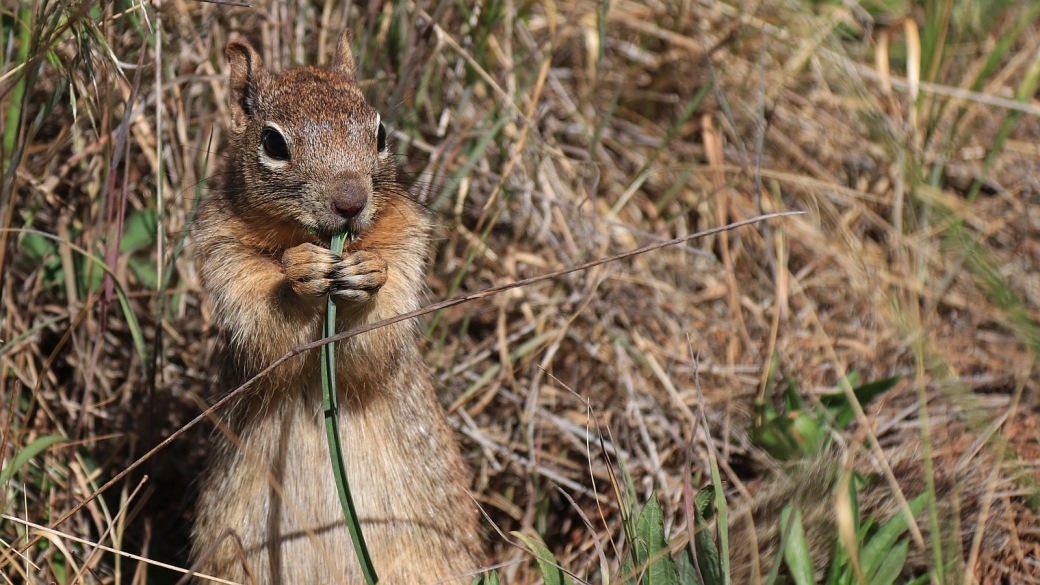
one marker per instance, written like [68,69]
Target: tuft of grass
[801,432]
[542,135]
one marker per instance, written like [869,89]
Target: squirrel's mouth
[352,227]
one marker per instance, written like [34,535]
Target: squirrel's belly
[291,524]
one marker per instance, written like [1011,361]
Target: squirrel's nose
[350,200]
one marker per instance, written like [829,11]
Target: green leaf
[37,247]
[650,548]
[879,545]
[872,390]
[840,571]
[703,544]
[31,450]
[628,571]
[792,400]
[704,503]
[855,482]
[796,548]
[852,378]
[144,271]
[89,275]
[836,574]
[809,431]
[839,405]
[867,527]
[772,431]
[139,230]
[486,579]
[687,570]
[552,574]
[892,565]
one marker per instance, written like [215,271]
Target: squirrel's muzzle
[350,199]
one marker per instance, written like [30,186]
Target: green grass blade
[796,547]
[124,300]
[31,450]
[720,508]
[14,106]
[330,403]
[29,332]
[552,574]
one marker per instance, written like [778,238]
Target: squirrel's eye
[274,144]
[381,138]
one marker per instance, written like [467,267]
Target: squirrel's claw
[314,271]
[356,277]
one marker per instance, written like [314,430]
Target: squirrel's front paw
[357,276]
[315,271]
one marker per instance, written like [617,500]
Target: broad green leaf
[687,570]
[796,547]
[838,404]
[809,431]
[704,502]
[37,247]
[709,568]
[628,570]
[31,450]
[772,431]
[703,544]
[871,390]
[879,545]
[139,231]
[552,574]
[708,558]
[650,547]
[144,271]
[892,565]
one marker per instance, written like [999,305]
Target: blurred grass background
[541,135]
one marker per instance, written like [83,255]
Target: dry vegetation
[543,135]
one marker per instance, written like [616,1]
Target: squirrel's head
[313,153]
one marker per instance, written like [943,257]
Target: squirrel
[307,158]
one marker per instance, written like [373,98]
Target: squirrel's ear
[344,61]
[246,68]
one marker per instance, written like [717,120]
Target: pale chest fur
[404,472]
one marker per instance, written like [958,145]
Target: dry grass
[543,135]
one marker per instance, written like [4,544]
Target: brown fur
[261,241]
